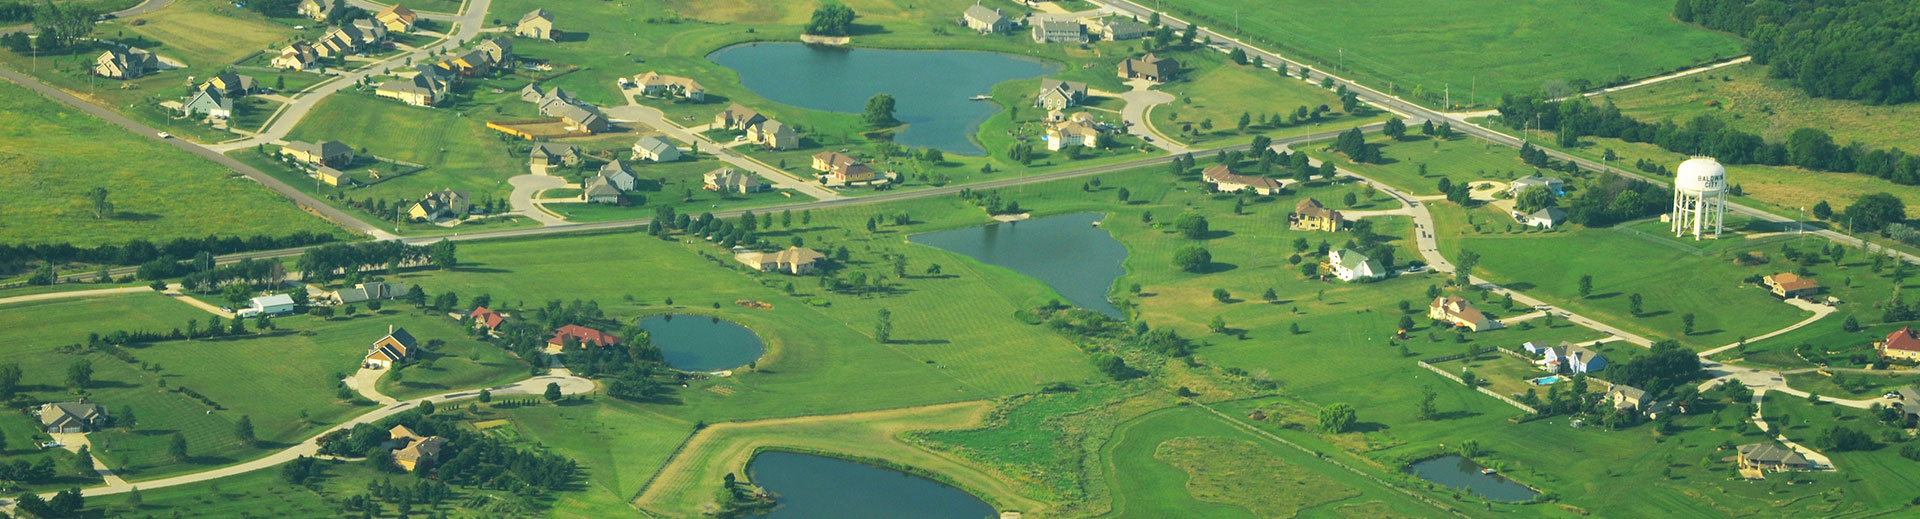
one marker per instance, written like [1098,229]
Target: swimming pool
[1545,381]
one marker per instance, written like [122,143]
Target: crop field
[55,154]
[1743,97]
[1422,48]
[1218,92]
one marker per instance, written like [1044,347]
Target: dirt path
[72,294]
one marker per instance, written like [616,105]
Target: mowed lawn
[1744,98]
[1218,91]
[51,155]
[618,444]
[208,33]
[1481,48]
[459,152]
[1460,159]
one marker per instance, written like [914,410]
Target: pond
[1460,473]
[930,88]
[1069,253]
[818,487]
[701,343]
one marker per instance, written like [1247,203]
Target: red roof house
[580,335]
[1901,344]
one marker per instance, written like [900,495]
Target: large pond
[1069,253]
[931,89]
[817,487]
[701,343]
[1460,473]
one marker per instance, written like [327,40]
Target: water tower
[1699,197]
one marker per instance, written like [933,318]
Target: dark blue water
[929,88]
[700,343]
[1066,252]
[1463,474]
[818,487]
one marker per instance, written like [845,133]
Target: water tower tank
[1701,175]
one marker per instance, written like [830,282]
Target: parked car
[165,135]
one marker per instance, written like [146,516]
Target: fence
[1425,363]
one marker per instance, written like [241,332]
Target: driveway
[365,382]
[174,292]
[73,294]
[524,187]
[1139,100]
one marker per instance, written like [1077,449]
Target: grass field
[55,154]
[1460,159]
[618,444]
[458,152]
[1743,97]
[1481,48]
[1218,91]
[182,28]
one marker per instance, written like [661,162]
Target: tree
[1463,267]
[83,460]
[1191,225]
[486,396]
[442,254]
[1633,304]
[1687,320]
[553,392]
[1113,366]
[1221,295]
[1395,128]
[1351,199]
[1192,258]
[1336,418]
[1874,211]
[177,447]
[1269,296]
[883,329]
[879,112]
[1534,199]
[1586,286]
[831,19]
[80,374]
[243,431]
[101,207]
[1218,324]
[9,380]
[1427,396]
[1822,210]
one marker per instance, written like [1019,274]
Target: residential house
[320,10]
[1055,31]
[71,417]
[348,39]
[773,135]
[729,180]
[1116,28]
[532,94]
[583,117]
[549,155]
[323,153]
[1077,130]
[537,24]
[1789,285]
[1771,456]
[210,102]
[332,177]
[389,350]
[473,62]
[420,90]
[1309,215]
[798,261]
[369,291]
[1150,67]
[1522,184]
[619,176]
[580,335]
[276,304]
[1902,344]
[1545,218]
[985,20]
[655,148]
[396,18]
[737,117]
[414,451]
[298,56]
[599,190]
[842,168]
[445,203]
[830,161]
[657,84]
[498,51]
[488,319]
[1457,311]
[1572,358]
[1623,396]
[1060,95]
[1350,265]
[231,84]
[1226,181]
[128,63]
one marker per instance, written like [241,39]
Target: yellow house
[331,177]
[1309,215]
[396,18]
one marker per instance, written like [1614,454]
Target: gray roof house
[328,153]
[1349,265]
[1116,28]
[537,23]
[985,20]
[1060,95]
[729,180]
[71,417]
[618,175]
[370,291]
[600,189]
[1052,31]
[129,63]
[582,116]
[1546,217]
[210,102]
[1771,456]
[438,204]
[551,154]
[1522,184]
[656,149]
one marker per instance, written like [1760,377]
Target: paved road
[73,293]
[1819,311]
[1673,76]
[654,118]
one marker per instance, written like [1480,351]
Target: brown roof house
[396,18]
[737,117]
[729,180]
[414,451]
[549,155]
[128,63]
[1457,311]
[657,84]
[298,56]
[488,319]
[1789,285]
[798,261]
[1309,215]
[579,335]
[537,24]
[1902,344]
[1771,456]
[71,417]
[323,153]
[1226,181]
[655,148]
[1150,67]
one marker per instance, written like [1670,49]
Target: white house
[656,149]
[1570,358]
[1546,218]
[1349,265]
[268,305]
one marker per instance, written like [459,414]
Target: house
[71,417]
[1522,184]
[537,24]
[323,153]
[729,180]
[547,155]
[414,450]
[583,117]
[473,62]
[1349,265]
[210,102]
[128,63]
[985,20]
[298,56]
[1902,344]
[657,84]
[655,148]
[1226,181]
[1787,285]
[798,261]
[580,335]
[1116,28]
[1060,95]
[1624,396]
[445,203]
[396,18]
[619,176]
[1906,401]
[497,50]
[1571,358]
[1078,130]
[1545,218]
[774,135]
[1149,67]
[420,90]
[737,117]
[320,10]
[532,94]
[389,350]
[231,84]
[831,161]
[369,291]
[1309,215]
[276,304]
[1457,311]
[1053,31]
[599,190]
[856,172]
[332,177]
[1771,456]
[348,39]
[488,319]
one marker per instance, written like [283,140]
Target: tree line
[321,264]
[139,251]
[60,27]
[1857,49]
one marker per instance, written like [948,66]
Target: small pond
[818,487]
[1069,253]
[701,343]
[1460,473]
[931,89]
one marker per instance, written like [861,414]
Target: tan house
[1771,456]
[1902,344]
[1789,285]
[842,168]
[323,153]
[655,148]
[396,18]
[70,417]
[657,84]
[729,180]
[1226,181]
[128,63]
[985,20]
[1309,215]
[445,203]
[548,155]
[1077,130]
[1116,28]
[320,10]
[298,56]
[537,24]
[1056,31]
[389,350]
[232,85]
[497,50]
[737,117]
[798,261]
[829,161]
[774,135]
[414,450]
[332,177]
[1060,95]
[420,90]
[1457,311]
[1149,67]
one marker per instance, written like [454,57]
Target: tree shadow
[1455,415]
[919,342]
[1217,267]
[1607,295]
[1655,313]
[128,216]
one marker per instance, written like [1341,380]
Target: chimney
[389,329]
